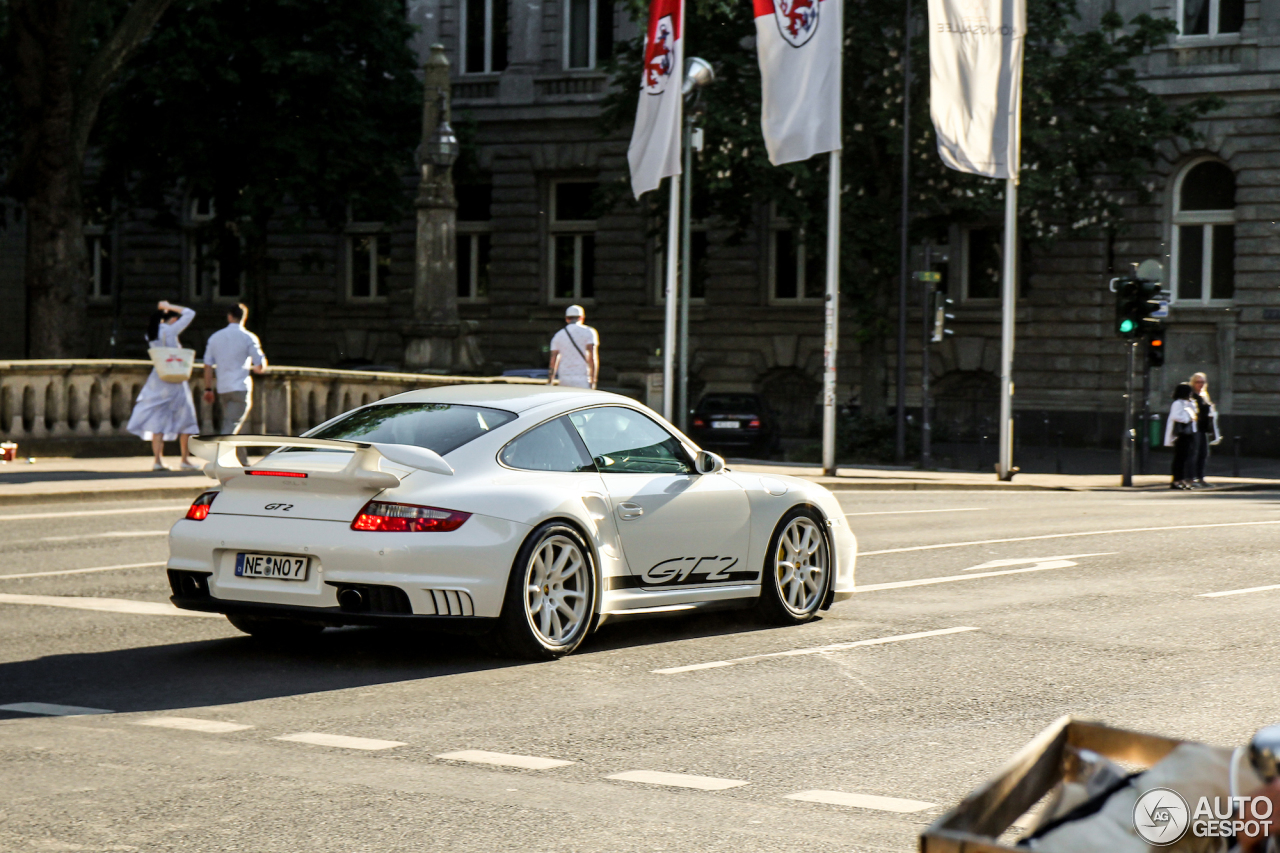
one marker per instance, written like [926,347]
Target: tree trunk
[57,268]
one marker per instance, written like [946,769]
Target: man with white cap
[575,352]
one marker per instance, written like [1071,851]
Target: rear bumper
[332,616]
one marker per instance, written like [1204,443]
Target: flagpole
[670,291]
[831,338]
[1005,469]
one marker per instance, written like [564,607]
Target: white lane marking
[119,534]
[919,511]
[677,780]
[320,739]
[80,571]
[47,710]
[877,587]
[1063,536]
[1238,591]
[862,801]
[192,725]
[83,513]
[1060,562]
[817,650]
[502,759]
[105,605]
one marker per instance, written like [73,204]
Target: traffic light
[1155,349]
[1136,300]
[940,316]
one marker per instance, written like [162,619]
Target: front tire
[797,569]
[274,627]
[550,604]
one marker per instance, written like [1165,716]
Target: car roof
[514,398]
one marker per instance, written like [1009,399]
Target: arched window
[1204,233]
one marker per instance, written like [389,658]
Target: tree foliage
[278,110]
[1089,131]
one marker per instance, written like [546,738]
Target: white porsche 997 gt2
[530,513]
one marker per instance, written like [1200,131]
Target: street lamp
[441,148]
[698,74]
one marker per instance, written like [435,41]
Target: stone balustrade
[93,398]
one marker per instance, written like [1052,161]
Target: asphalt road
[1076,603]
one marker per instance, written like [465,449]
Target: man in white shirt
[575,352]
[235,353]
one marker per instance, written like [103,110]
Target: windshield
[730,403]
[435,426]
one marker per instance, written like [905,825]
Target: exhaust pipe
[351,598]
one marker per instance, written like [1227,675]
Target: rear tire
[550,603]
[274,627]
[797,569]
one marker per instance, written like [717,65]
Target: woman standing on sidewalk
[1180,434]
[1206,424]
[164,410]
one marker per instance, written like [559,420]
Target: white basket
[172,363]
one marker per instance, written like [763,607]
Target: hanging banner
[975,83]
[654,152]
[798,45]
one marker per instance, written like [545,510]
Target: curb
[157,493]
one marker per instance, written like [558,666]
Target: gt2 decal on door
[691,571]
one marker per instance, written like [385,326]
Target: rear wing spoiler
[364,468]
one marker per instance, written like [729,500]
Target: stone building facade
[528,89]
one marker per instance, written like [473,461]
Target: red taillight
[254,473]
[754,423]
[386,517]
[199,510]
[699,422]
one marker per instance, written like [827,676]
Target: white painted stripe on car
[919,511]
[1245,591]
[104,605]
[677,780]
[47,710]
[862,801]
[1063,536]
[816,650]
[193,725]
[89,512]
[342,741]
[80,571]
[502,759]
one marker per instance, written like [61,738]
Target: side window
[554,446]
[623,441]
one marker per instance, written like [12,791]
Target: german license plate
[724,424]
[273,566]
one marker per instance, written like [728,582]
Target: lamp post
[698,73]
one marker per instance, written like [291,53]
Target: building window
[368,260]
[795,275]
[982,263]
[698,244]
[1210,18]
[588,33]
[1203,246]
[203,269]
[484,36]
[475,227]
[97,245]
[572,241]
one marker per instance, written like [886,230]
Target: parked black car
[735,422]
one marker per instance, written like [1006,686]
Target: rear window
[435,426]
[730,404]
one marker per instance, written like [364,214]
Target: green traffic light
[1126,326]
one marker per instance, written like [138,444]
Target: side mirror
[708,463]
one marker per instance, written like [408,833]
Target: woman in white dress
[164,410]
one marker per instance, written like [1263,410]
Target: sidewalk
[131,478]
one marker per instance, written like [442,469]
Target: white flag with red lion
[655,142]
[798,43]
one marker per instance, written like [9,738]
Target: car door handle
[630,510]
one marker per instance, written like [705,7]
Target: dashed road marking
[84,513]
[193,725]
[343,741]
[81,571]
[502,759]
[118,534]
[48,710]
[862,801]
[677,780]
[919,511]
[817,650]
[1245,591]
[1060,562]
[106,605]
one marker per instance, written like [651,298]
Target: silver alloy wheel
[800,565]
[556,587]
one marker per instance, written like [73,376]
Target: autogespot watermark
[1161,817]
